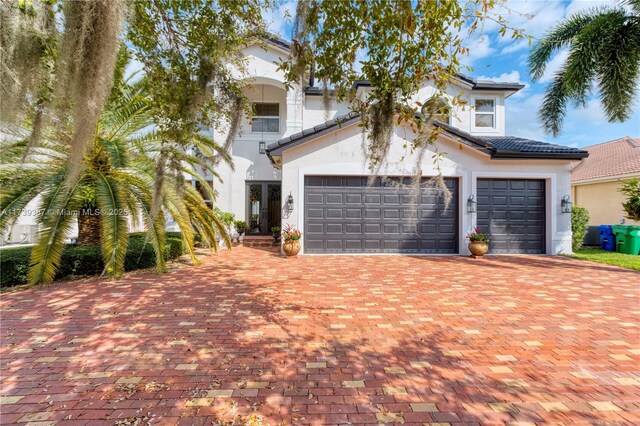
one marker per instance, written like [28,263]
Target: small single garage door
[355,214]
[513,212]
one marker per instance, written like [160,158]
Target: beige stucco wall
[602,200]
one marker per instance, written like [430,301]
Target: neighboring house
[297,162]
[596,180]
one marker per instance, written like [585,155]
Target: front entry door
[264,206]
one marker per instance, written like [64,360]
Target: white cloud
[581,5]
[534,17]
[279,19]
[510,77]
[505,77]
[515,46]
[522,117]
[479,47]
[554,65]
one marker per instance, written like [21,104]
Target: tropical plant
[225,217]
[240,225]
[115,187]
[478,236]
[604,49]
[631,189]
[579,226]
[291,233]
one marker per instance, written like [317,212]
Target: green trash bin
[633,240]
[627,239]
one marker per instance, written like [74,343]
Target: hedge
[579,226]
[82,260]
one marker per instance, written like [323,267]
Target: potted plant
[241,226]
[275,231]
[478,242]
[291,237]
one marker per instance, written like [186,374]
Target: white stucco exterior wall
[340,153]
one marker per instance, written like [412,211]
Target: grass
[622,260]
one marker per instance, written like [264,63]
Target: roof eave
[514,155]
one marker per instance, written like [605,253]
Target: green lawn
[609,257]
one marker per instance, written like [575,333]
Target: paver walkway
[329,340]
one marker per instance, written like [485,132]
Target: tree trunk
[88,227]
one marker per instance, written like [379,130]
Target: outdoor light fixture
[262,147]
[471,204]
[289,204]
[565,204]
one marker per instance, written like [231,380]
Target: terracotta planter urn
[291,247]
[478,248]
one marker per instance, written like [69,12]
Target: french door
[264,206]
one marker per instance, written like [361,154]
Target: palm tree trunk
[88,227]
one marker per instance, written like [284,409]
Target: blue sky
[503,59]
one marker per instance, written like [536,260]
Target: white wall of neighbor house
[340,153]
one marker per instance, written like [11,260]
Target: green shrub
[83,260]
[631,189]
[579,222]
[14,265]
[174,248]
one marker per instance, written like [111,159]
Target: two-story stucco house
[297,162]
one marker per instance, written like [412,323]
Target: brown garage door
[513,212]
[356,214]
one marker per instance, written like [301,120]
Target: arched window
[437,109]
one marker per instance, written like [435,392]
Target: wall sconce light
[262,147]
[289,204]
[471,204]
[565,204]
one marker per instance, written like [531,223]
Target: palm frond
[57,221]
[175,206]
[113,224]
[619,71]
[140,185]
[554,106]
[14,199]
[561,36]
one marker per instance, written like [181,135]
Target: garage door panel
[334,198]
[353,198]
[372,214]
[513,212]
[378,215]
[353,213]
[372,198]
[372,228]
[315,199]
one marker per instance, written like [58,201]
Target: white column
[295,103]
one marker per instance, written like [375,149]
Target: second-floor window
[485,113]
[266,118]
[437,109]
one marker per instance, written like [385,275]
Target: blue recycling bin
[607,238]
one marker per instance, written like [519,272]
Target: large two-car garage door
[355,214]
[513,212]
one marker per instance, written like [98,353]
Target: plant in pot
[241,226]
[478,242]
[275,231]
[291,237]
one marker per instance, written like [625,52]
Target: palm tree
[117,185]
[604,49]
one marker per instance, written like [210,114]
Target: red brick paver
[329,340]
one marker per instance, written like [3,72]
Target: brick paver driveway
[329,340]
